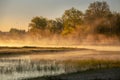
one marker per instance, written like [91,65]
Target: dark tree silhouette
[97,10]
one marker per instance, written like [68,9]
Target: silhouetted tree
[114,23]
[97,10]
[97,16]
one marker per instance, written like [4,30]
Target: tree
[37,27]
[97,10]
[71,19]
[16,34]
[117,23]
[16,31]
[38,23]
[51,26]
[97,17]
[55,26]
[59,25]
[114,23]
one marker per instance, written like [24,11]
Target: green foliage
[71,18]
[51,25]
[55,26]
[38,22]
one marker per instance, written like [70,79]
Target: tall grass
[82,65]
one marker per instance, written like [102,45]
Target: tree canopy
[71,19]
[97,10]
[98,19]
[38,22]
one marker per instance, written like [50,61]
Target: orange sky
[8,22]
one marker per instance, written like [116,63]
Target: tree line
[97,20]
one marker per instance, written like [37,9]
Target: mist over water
[111,44]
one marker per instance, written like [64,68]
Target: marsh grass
[83,65]
[39,68]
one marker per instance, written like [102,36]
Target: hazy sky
[18,13]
